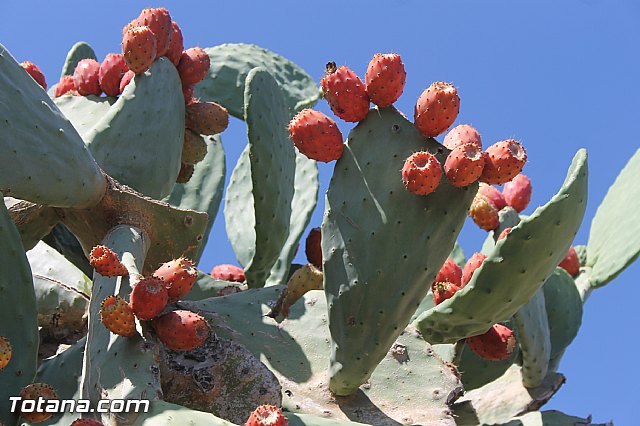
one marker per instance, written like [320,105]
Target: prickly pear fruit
[492,194]
[450,272]
[385,79]
[436,109]
[111,71]
[421,173]
[461,135]
[65,85]
[194,65]
[34,71]
[313,248]
[443,290]
[504,233]
[126,79]
[86,422]
[176,45]
[494,345]
[484,214]
[34,392]
[105,261]
[148,298]
[178,276]
[194,148]
[185,173]
[517,193]
[117,316]
[228,272]
[159,21]
[5,352]
[345,93]
[86,77]
[206,118]
[187,94]
[464,165]
[571,263]
[267,415]
[230,289]
[503,161]
[470,267]
[316,136]
[181,330]
[139,48]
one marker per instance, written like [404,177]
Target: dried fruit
[106,262]
[483,213]
[34,71]
[571,262]
[503,161]
[148,298]
[194,65]
[443,290]
[181,330]
[110,74]
[228,272]
[313,248]
[5,352]
[421,173]
[494,345]
[470,267]
[267,415]
[86,77]
[436,109]
[385,79]
[316,136]
[139,47]
[194,148]
[206,118]
[517,193]
[185,173]
[32,393]
[345,93]
[178,276]
[117,316]
[450,272]
[461,135]
[464,165]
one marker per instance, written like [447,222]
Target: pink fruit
[111,71]
[228,272]
[194,65]
[571,263]
[461,135]
[494,345]
[504,233]
[35,73]
[86,77]
[494,195]
[181,330]
[472,264]
[267,415]
[385,79]
[313,248]
[450,272]
[503,161]
[484,214]
[443,290]
[65,85]
[421,173]
[159,21]
[517,193]
[176,46]
[316,135]
[345,93]
[464,165]
[139,47]
[148,298]
[436,109]
[178,275]
[126,79]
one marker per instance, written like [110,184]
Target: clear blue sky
[557,75]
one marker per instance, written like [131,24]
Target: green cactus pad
[367,206]
[44,159]
[410,386]
[614,237]
[516,268]
[204,190]
[33,221]
[311,420]
[564,310]
[272,159]
[458,255]
[164,413]
[230,66]
[532,329]
[18,316]
[84,112]
[508,218]
[239,212]
[61,239]
[139,141]
[581,252]
[551,418]
[79,51]
[206,287]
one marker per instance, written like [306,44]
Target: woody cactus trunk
[357,339]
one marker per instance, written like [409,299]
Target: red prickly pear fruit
[126,79]
[316,135]
[385,79]
[139,48]
[517,193]
[470,267]
[181,330]
[194,65]
[313,248]
[484,214]
[492,194]
[178,276]
[148,298]
[187,93]
[494,345]
[106,262]
[267,415]
[226,272]
[65,85]
[86,422]
[86,77]
[421,173]
[5,352]
[443,290]
[345,93]
[176,46]
[159,21]
[117,316]
[503,161]
[436,110]
[185,173]
[504,233]
[450,272]
[461,135]
[34,71]
[111,71]
[464,165]
[206,118]
[571,263]
[34,392]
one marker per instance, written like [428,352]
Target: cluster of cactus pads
[388,324]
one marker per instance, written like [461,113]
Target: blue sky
[556,75]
